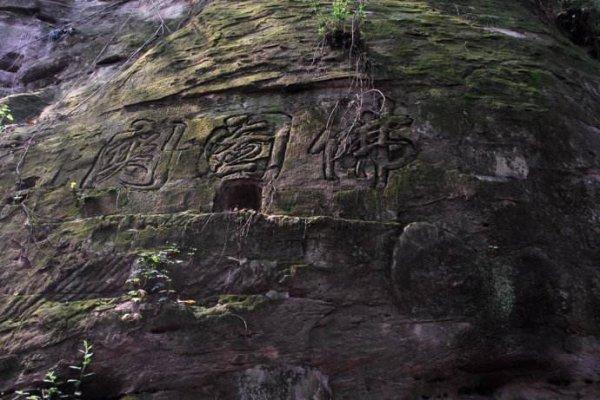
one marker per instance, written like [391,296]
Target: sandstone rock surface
[190,196]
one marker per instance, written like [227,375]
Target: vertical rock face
[227,209]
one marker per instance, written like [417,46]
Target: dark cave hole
[582,26]
[241,194]
[27,183]
[11,61]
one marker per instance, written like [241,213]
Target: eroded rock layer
[227,208]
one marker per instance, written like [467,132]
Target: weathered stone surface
[25,106]
[293,383]
[23,6]
[196,202]
[43,69]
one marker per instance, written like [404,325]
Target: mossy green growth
[67,314]
[416,178]
[230,304]
[10,325]
[421,183]
[490,51]
[241,302]
[359,204]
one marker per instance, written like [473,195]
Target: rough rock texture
[196,202]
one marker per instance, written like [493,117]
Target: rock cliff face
[228,209]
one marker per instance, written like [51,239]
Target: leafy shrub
[55,388]
[150,276]
[342,25]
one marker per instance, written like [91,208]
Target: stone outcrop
[226,208]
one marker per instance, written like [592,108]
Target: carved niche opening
[240,194]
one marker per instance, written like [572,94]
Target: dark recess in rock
[582,26]
[240,194]
[25,7]
[11,61]
[110,59]
[43,69]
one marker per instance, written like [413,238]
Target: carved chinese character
[365,143]
[248,146]
[138,158]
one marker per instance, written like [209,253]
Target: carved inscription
[364,142]
[138,157]
[248,146]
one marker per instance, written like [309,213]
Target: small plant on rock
[54,388]
[86,360]
[50,392]
[150,285]
[343,25]
[5,117]
[150,276]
